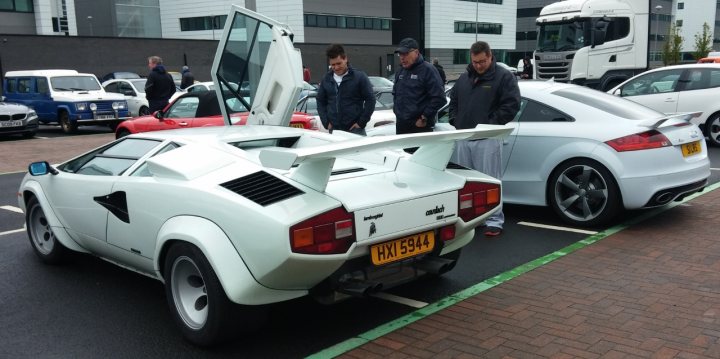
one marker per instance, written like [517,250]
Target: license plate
[692,148]
[11,123]
[104,117]
[297,125]
[402,248]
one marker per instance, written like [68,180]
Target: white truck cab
[597,43]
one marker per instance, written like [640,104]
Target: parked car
[383,114]
[679,88]
[134,92]
[65,97]
[17,119]
[233,217]
[198,109]
[588,155]
[513,70]
[177,77]
[120,75]
[380,83]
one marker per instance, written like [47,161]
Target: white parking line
[402,300]
[13,231]
[12,209]
[557,228]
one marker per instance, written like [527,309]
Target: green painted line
[353,343]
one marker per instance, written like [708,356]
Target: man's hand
[421,122]
[330,128]
[354,126]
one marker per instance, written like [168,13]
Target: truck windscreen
[564,36]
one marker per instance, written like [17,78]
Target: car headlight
[118,105]
[81,106]
[93,107]
[31,115]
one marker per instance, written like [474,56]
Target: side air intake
[262,188]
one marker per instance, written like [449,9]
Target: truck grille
[103,106]
[559,70]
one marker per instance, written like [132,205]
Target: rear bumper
[653,191]
[666,195]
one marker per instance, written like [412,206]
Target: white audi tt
[236,216]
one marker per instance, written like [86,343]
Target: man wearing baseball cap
[418,90]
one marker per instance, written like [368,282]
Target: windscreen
[564,36]
[74,83]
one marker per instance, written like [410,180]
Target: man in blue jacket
[418,91]
[484,94]
[345,99]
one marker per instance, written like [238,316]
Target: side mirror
[158,115]
[41,168]
[598,32]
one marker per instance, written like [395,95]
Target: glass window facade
[138,18]
[203,23]
[498,2]
[347,22]
[465,27]
[16,5]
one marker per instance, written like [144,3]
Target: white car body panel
[135,103]
[534,149]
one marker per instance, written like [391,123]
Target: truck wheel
[65,124]
[144,111]
[712,129]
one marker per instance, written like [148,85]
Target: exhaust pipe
[435,265]
[664,197]
[359,288]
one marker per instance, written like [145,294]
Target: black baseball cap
[406,45]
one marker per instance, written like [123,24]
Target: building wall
[694,14]
[94,18]
[369,8]
[288,12]
[17,23]
[172,10]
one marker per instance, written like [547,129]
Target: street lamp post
[91,26]
[477,10]
[657,24]
[525,46]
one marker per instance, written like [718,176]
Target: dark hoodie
[159,88]
[491,98]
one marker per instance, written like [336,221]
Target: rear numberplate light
[477,198]
[331,232]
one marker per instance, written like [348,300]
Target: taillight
[447,233]
[477,198]
[331,232]
[639,141]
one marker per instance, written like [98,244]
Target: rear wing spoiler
[685,116]
[314,164]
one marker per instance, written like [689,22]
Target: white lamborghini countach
[235,216]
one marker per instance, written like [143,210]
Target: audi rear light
[331,232]
[476,199]
[639,141]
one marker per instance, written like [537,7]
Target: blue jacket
[417,91]
[351,102]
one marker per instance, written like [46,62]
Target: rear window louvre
[346,171]
[262,188]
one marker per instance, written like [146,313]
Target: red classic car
[197,109]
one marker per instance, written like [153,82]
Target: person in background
[418,92]
[345,100]
[527,72]
[306,74]
[484,94]
[440,70]
[159,86]
[187,78]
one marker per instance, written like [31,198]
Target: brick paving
[649,291]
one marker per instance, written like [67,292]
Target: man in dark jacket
[187,78]
[418,91]
[440,69]
[159,85]
[484,94]
[345,100]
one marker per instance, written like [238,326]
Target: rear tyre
[196,297]
[584,193]
[41,235]
[712,129]
[65,123]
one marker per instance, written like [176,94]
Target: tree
[703,42]
[672,47]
